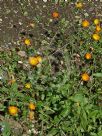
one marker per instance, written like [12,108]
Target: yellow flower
[79,5]
[98,28]
[33,61]
[96,21]
[39,58]
[27,42]
[96,37]
[28,85]
[32,106]
[85,77]
[85,23]
[13,110]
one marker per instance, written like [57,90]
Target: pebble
[0,77]
[0,19]
[22,53]
[44,0]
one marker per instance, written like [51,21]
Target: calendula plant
[51,71]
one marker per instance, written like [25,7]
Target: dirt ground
[16,17]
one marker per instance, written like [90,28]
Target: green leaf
[7,130]
[53,132]
[99,133]
[56,120]
[94,114]
[79,98]
[14,87]
[84,121]
[97,74]
[65,112]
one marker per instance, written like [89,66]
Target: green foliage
[5,127]
[65,105]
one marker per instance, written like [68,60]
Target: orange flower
[33,61]
[85,77]
[96,37]
[31,106]
[88,56]
[85,23]
[13,110]
[98,28]
[55,14]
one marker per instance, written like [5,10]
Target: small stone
[20,23]
[0,77]
[32,25]
[20,62]
[0,19]
[22,53]
[86,14]
[44,0]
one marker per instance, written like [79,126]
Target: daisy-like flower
[13,110]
